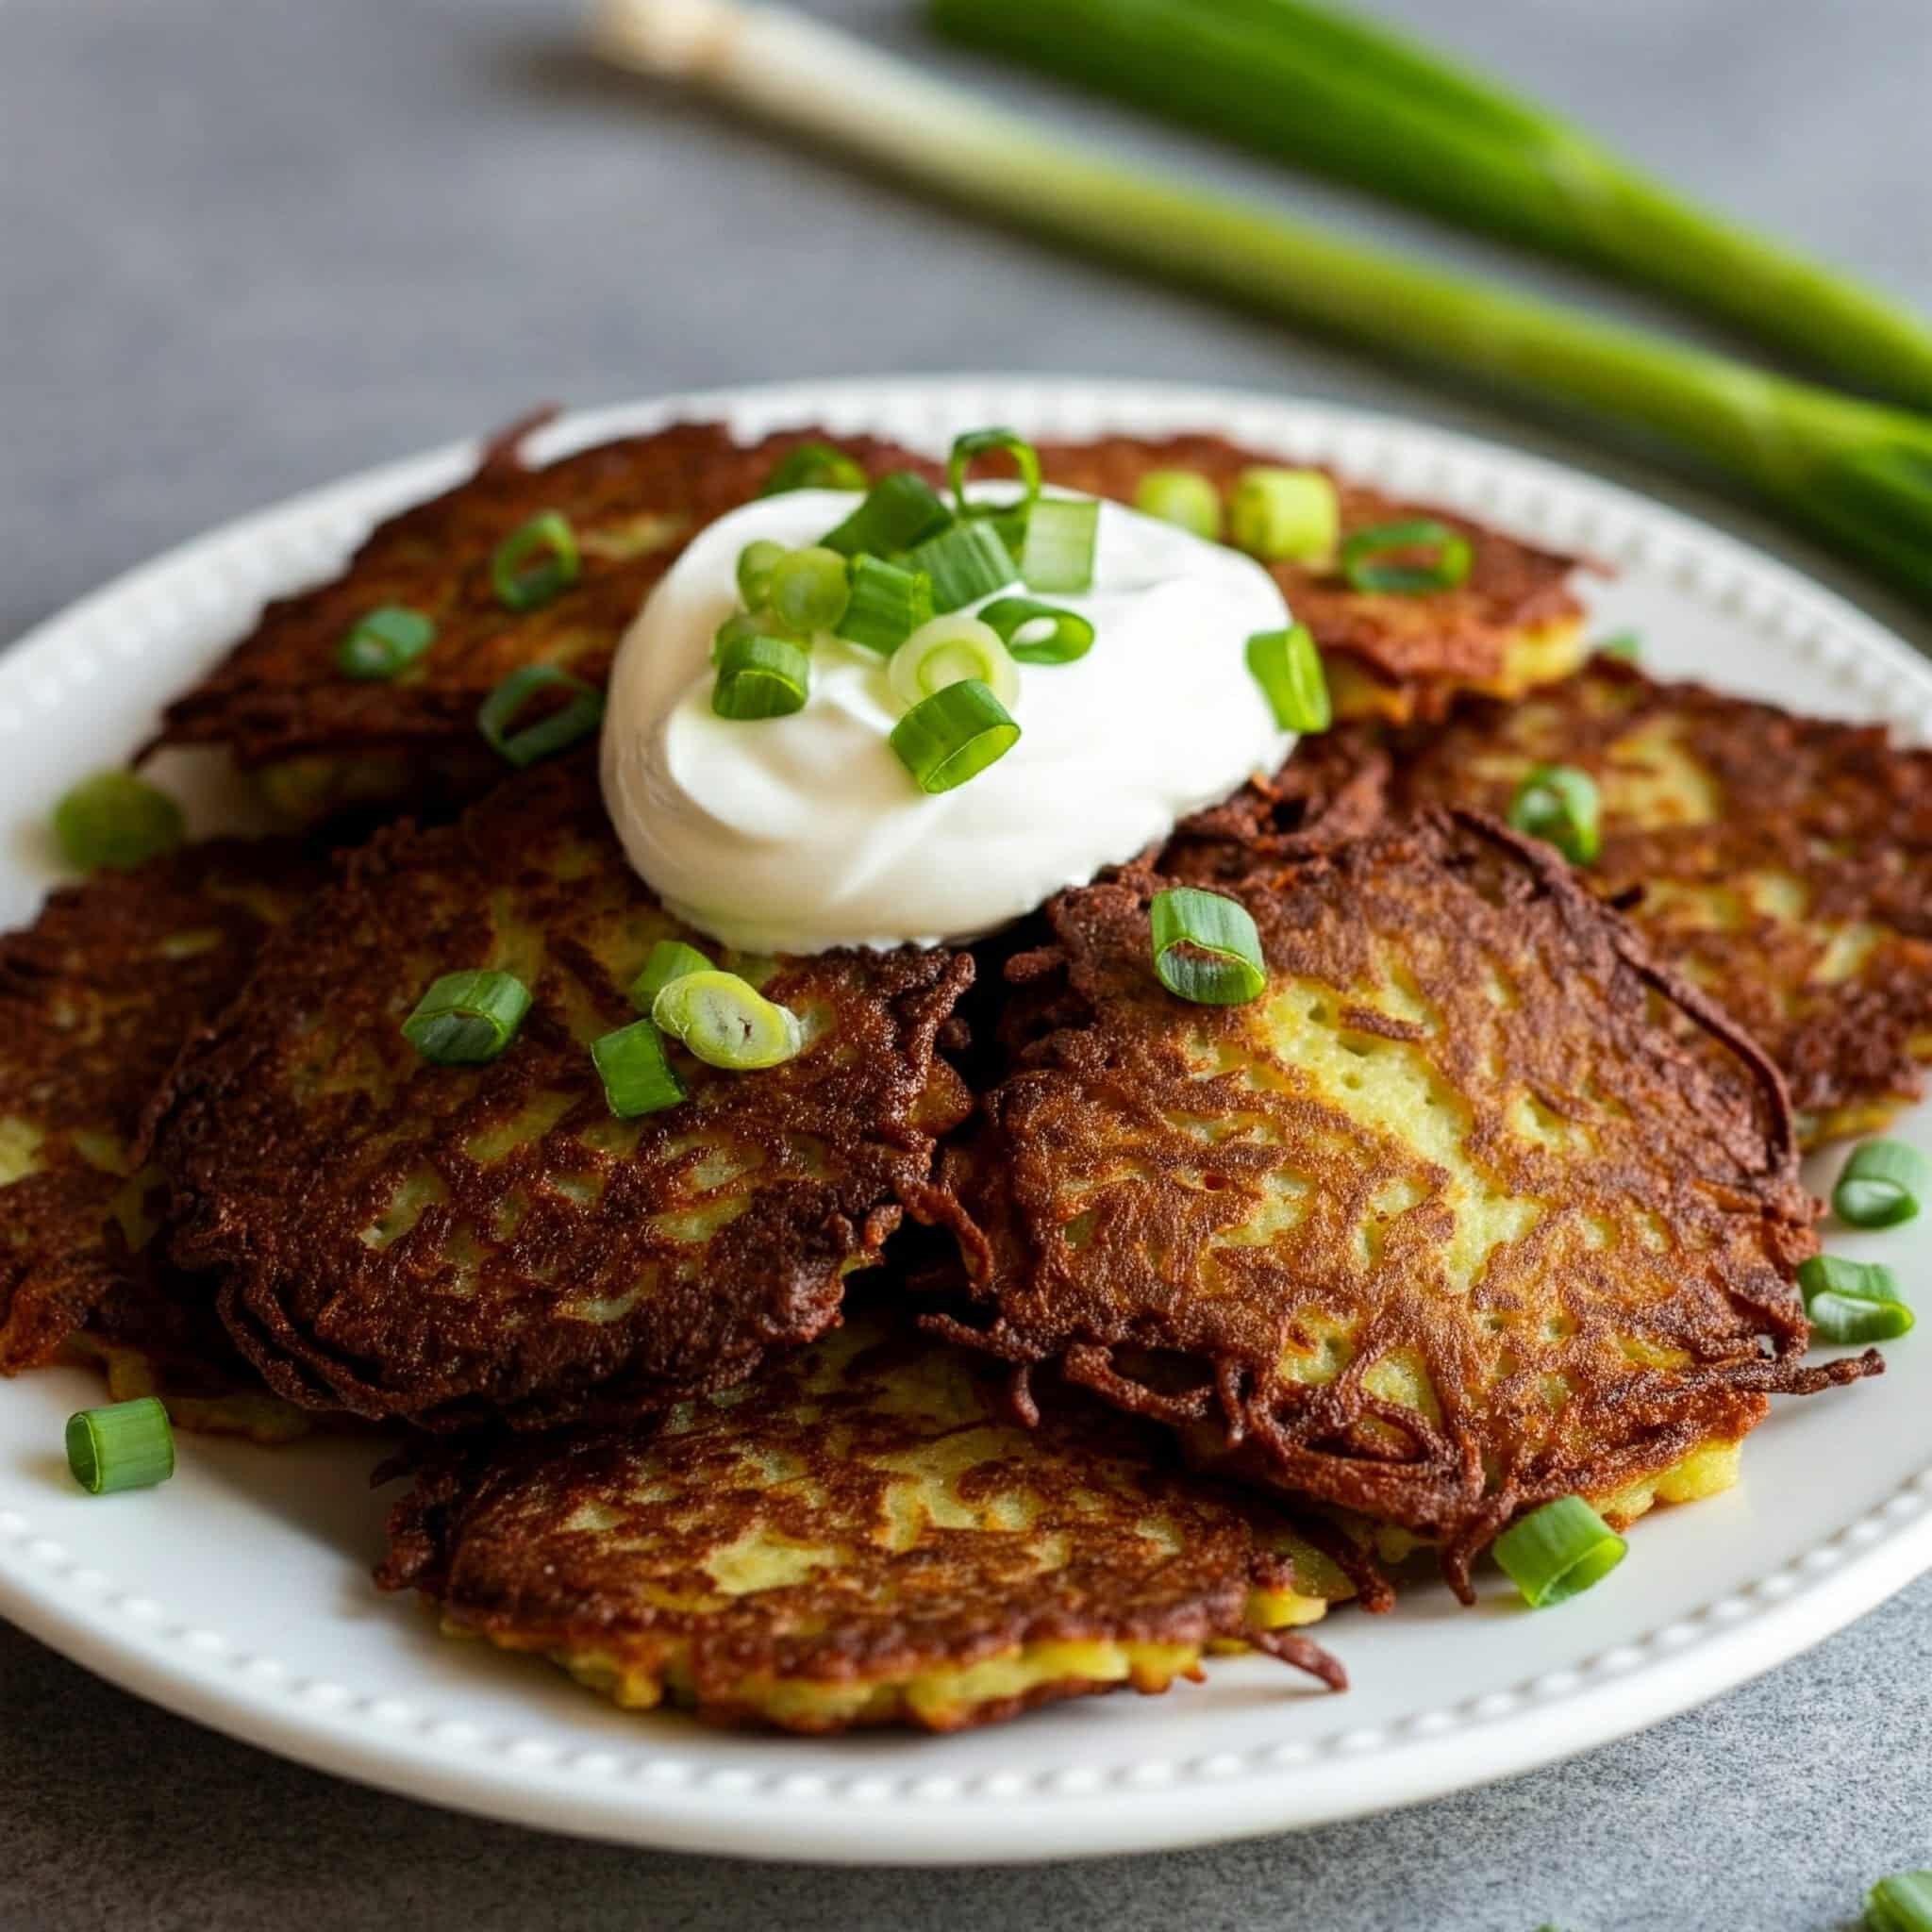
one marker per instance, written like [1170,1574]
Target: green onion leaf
[977,443]
[726,1021]
[1370,560]
[638,1076]
[1285,516]
[1902,1903]
[761,677]
[467,1018]
[888,604]
[1852,1301]
[384,642]
[1558,1551]
[899,511]
[813,466]
[1206,948]
[953,736]
[1061,536]
[809,589]
[1288,667]
[950,650]
[126,1445]
[1037,633]
[1184,498]
[549,735]
[755,563]
[1558,805]
[536,563]
[965,564]
[1881,1185]
[1625,645]
[669,959]
[117,820]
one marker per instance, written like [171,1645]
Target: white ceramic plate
[238,1594]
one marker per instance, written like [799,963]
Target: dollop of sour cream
[802,833]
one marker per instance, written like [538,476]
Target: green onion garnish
[813,466]
[1184,498]
[965,564]
[888,604]
[1558,1551]
[1206,948]
[1881,1185]
[669,959]
[1284,516]
[536,562]
[1558,805]
[638,1077]
[1902,1903]
[1057,554]
[384,642]
[1625,645]
[117,820]
[809,589]
[549,735]
[899,511]
[726,1021]
[1852,1301]
[755,563]
[467,1018]
[1037,633]
[953,736]
[951,650]
[977,443]
[761,677]
[1366,558]
[1288,667]
[126,1445]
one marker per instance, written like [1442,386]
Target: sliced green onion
[1288,667]
[536,563]
[1206,948]
[950,650]
[556,732]
[669,959]
[726,1021]
[1558,805]
[755,563]
[638,1076]
[1625,645]
[1284,516]
[953,736]
[384,642]
[126,1445]
[1558,1551]
[888,604]
[1852,1301]
[899,511]
[965,564]
[467,1018]
[813,466]
[1881,1185]
[978,443]
[761,677]
[1368,559]
[1037,633]
[1902,1903]
[1057,554]
[810,590]
[1184,498]
[117,820]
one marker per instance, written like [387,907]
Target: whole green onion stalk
[1856,474]
[1325,89]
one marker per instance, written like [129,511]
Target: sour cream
[802,833]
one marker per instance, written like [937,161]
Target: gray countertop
[252,247]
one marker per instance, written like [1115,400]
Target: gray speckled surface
[248,248]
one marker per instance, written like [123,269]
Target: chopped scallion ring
[899,511]
[126,1445]
[116,820]
[536,562]
[761,677]
[1558,805]
[953,736]
[755,563]
[385,641]
[1284,516]
[965,564]
[1625,645]
[813,466]
[1363,558]
[888,604]
[1037,633]
[638,1075]
[1884,1183]
[1558,1551]
[810,590]
[1058,554]
[556,732]
[726,1021]
[467,1018]
[1852,1301]
[1206,948]
[669,959]
[979,443]
[1288,667]
[1902,1903]
[950,650]
[1184,498]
